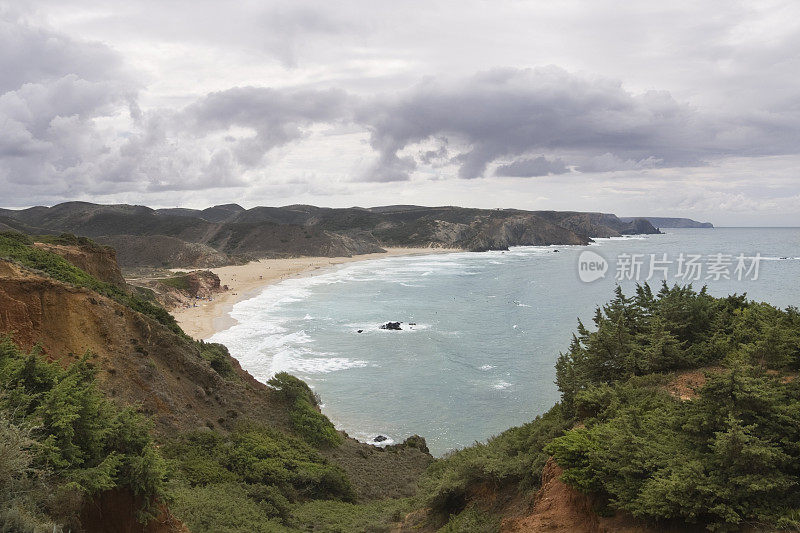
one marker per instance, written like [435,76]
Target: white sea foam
[501,385]
[297,361]
[487,367]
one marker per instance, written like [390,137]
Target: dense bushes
[727,457]
[225,507]
[329,516]
[677,328]
[65,440]
[262,467]
[312,425]
[254,454]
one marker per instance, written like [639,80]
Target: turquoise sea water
[489,327]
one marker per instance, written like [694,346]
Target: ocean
[487,327]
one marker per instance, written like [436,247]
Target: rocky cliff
[183,289]
[223,234]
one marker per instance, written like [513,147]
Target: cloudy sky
[678,108]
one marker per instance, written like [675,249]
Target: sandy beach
[246,281]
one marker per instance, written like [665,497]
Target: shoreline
[247,281]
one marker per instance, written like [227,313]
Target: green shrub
[473,520]
[723,459]
[293,388]
[80,440]
[180,282]
[677,328]
[312,425]
[341,517]
[219,357]
[23,488]
[223,507]
[257,455]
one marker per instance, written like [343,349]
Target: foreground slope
[237,455]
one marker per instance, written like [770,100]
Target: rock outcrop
[183,289]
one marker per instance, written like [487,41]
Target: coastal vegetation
[62,441]
[721,456]
[306,418]
[248,479]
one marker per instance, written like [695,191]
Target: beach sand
[246,281]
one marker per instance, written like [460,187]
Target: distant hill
[221,234]
[667,222]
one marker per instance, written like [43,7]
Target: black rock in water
[360,331]
[395,326]
[380,438]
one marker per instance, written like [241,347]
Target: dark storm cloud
[277,116]
[512,112]
[537,166]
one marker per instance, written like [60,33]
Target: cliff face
[558,507]
[140,361]
[99,261]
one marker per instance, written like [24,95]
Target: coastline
[246,281]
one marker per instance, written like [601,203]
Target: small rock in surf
[380,438]
[394,326]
